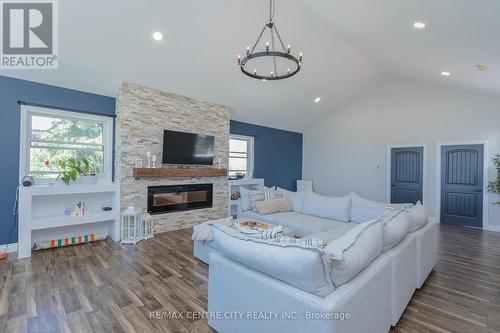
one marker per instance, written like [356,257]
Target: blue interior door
[462,185]
[407,173]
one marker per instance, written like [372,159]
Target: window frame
[25,136]
[250,153]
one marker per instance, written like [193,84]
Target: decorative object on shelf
[235,196]
[68,211]
[494,185]
[304,186]
[153,161]
[77,240]
[83,169]
[148,155]
[271,52]
[79,209]
[107,209]
[138,163]
[135,226]
[239,175]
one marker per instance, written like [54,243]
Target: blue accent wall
[11,91]
[278,154]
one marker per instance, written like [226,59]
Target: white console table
[41,209]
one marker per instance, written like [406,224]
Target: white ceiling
[348,46]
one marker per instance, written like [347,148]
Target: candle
[300,56]
[267,47]
[288,49]
[248,50]
[239,59]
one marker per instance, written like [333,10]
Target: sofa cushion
[363,210]
[301,224]
[296,198]
[396,224]
[267,207]
[334,208]
[337,230]
[418,217]
[298,265]
[355,250]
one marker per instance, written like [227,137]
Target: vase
[87,180]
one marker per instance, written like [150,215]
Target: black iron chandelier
[273,52]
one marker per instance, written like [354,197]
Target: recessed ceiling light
[317,99]
[264,80]
[444,73]
[419,25]
[157,36]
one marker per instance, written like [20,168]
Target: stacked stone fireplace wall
[142,116]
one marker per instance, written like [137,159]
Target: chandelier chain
[274,57]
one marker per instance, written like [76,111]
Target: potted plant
[494,185]
[83,169]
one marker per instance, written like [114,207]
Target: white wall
[348,150]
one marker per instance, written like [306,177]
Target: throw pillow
[245,199]
[271,193]
[418,217]
[274,206]
[396,224]
[334,208]
[296,198]
[255,196]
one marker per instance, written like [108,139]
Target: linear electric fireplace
[174,198]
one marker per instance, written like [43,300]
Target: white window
[241,155]
[49,136]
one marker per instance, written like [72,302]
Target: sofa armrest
[242,293]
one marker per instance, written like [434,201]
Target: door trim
[486,162]
[389,167]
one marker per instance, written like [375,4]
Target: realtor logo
[29,34]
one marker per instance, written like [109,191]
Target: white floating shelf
[68,220]
[70,189]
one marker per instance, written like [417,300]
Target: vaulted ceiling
[348,46]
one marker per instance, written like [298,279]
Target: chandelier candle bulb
[248,50]
[239,59]
[267,47]
[288,49]
[255,72]
[300,56]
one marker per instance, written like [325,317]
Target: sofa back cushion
[396,224]
[334,208]
[363,210]
[296,198]
[301,266]
[248,198]
[418,217]
[352,252]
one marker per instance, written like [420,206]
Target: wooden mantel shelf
[178,172]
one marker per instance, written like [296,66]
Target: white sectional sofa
[254,276]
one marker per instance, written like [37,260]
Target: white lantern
[147,226]
[131,226]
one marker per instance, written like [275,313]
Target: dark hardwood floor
[105,287]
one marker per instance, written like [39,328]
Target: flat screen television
[187,148]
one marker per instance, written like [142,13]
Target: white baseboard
[495,228]
[10,247]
